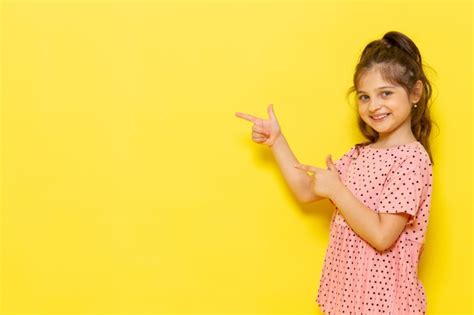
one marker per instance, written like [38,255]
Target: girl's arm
[298,181]
[368,224]
[363,220]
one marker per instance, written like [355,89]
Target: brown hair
[399,62]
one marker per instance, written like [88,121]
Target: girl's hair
[399,62]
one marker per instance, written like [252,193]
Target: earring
[415,105]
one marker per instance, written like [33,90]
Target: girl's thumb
[271,114]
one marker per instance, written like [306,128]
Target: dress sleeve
[403,188]
[342,164]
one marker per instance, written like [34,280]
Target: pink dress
[356,278]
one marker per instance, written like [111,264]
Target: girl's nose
[373,106]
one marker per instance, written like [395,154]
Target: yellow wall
[129,185]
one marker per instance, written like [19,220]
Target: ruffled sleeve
[403,188]
[342,164]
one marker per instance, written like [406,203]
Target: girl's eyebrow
[379,88]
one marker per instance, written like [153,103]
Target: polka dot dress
[356,278]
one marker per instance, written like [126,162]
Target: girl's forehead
[373,79]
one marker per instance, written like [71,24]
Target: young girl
[381,188]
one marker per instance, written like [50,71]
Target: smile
[379,117]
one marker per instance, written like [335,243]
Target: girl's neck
[387,143]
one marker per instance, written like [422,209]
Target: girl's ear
[417,92]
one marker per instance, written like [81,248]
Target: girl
[381,188]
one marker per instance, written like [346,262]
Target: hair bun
[389,42]
[401,41]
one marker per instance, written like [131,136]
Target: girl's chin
[379,129]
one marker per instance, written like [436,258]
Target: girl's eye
[388,93]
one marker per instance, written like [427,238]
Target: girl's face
[383,106]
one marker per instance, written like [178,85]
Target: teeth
[379,117]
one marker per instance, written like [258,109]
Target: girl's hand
[264,131]
[325,183]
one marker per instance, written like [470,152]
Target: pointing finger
[247,117]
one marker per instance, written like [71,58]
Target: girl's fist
[323,182]
[264,131]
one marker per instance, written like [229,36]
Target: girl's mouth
[379,118]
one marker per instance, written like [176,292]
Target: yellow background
[129,185]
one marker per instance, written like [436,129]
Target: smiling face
[385,107]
